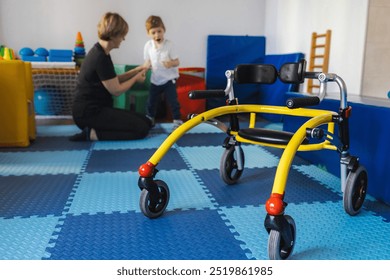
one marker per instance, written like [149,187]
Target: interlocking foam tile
[279,152]
[119,192]
[176,235]
[209,157]
[380,209]
[150,142]
[325,178]
[25,239]
[57,130]
[58,143]
[130,160]
[205,128]
[324,231]
[106,193]
[45,162]
[300,188]
[187,191]
[34,195]
[255,186]
[199,139]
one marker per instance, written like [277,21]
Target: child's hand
[167,64]
[141,75]
[147,65]
[171,63]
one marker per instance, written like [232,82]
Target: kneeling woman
[97,83]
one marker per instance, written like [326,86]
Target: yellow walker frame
[281,228]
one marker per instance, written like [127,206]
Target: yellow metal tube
[230,109]
[289,152]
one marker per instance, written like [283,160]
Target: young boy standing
[160,55]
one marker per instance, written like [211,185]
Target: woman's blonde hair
[112,25]
[153,22]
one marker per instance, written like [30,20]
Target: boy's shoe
[177,123]
[152,122]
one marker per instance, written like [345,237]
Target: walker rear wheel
[228,169]
[154,202]
[355,190]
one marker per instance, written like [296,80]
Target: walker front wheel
[154,201]
[355,190]
[277,247]
[228,169]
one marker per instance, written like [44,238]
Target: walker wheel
[228,165]
[277,249]
[154,202]
[355,190]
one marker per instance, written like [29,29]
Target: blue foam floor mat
[62,200]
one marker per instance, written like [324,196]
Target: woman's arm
[131,73]
[116,88]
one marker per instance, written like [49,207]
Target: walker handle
[211,93]
[298,102]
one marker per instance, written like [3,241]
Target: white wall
[376,82]
[287,24]
[290,23]
[55,23]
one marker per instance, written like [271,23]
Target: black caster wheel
[153,203]
[277,247]
[228,169]
[355,190]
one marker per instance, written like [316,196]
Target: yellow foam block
[17,116]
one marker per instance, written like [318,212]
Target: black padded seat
[268,136]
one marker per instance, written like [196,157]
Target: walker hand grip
[212,93]
[298,102]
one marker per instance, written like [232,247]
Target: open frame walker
[316,133]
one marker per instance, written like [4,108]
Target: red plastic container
[190,79]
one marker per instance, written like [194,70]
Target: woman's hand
[140,76]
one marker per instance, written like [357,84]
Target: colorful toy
[7,53]
[27,54]
[316,133]
[79,49]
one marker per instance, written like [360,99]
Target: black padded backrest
[255,74]
[293,73]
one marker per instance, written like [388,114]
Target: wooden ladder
[319,56]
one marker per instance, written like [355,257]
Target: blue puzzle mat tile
[327,179]
[321,232]
[130,160]
[119,192]
[199,139]
[34,195]
[105,193]
[150,142]
[205,128]
[278,153]
[188,235]
[255,186]
[25,239]
[46,162]
[187,191]
[380,209]
[209,157]
[56,130]
[58,144]
[300,188]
